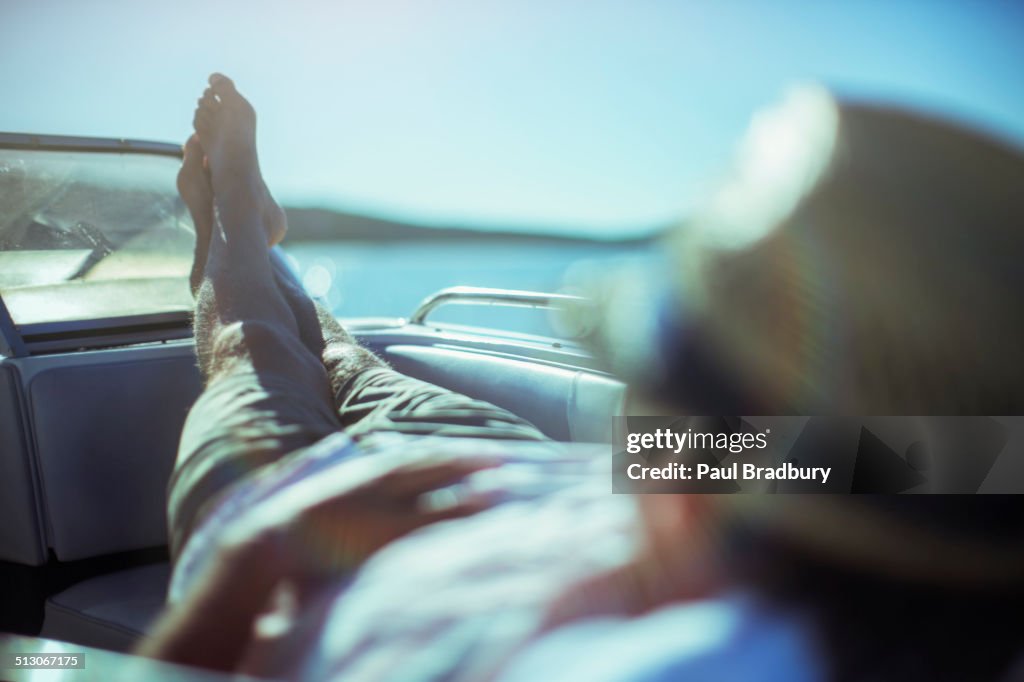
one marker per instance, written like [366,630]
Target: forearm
[213,625]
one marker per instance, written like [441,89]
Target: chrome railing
[485,296]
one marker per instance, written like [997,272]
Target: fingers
[417,518]
[414,480]
[465,508]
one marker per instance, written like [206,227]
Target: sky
[589,117]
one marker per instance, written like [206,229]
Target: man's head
[859,261]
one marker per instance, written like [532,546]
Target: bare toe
[221,84]
[202,122]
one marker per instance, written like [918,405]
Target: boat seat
[564,403]
[104,446]
[111,611]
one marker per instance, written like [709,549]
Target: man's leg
[341,354]
[371,397]
[368,397]
[319,330]
[267,393]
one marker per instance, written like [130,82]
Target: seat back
[22,538]
[565,403]
[90,438]
[107,434]
[102,432]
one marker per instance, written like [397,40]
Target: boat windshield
[87,235]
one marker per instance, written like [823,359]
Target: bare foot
[197,193]
[226,126]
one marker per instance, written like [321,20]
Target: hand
[317,528]
[331,523]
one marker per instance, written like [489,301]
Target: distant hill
[317,224]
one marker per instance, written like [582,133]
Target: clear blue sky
[589,115]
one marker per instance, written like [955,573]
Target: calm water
[391,279]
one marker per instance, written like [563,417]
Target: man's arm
[213,626]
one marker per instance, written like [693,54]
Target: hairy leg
[318,330]
[197,192]
[243,321]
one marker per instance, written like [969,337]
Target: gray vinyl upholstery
[566,404]
[106,436]
[112,611]
[21,530]
[593,401]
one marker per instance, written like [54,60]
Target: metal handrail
[485,296]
